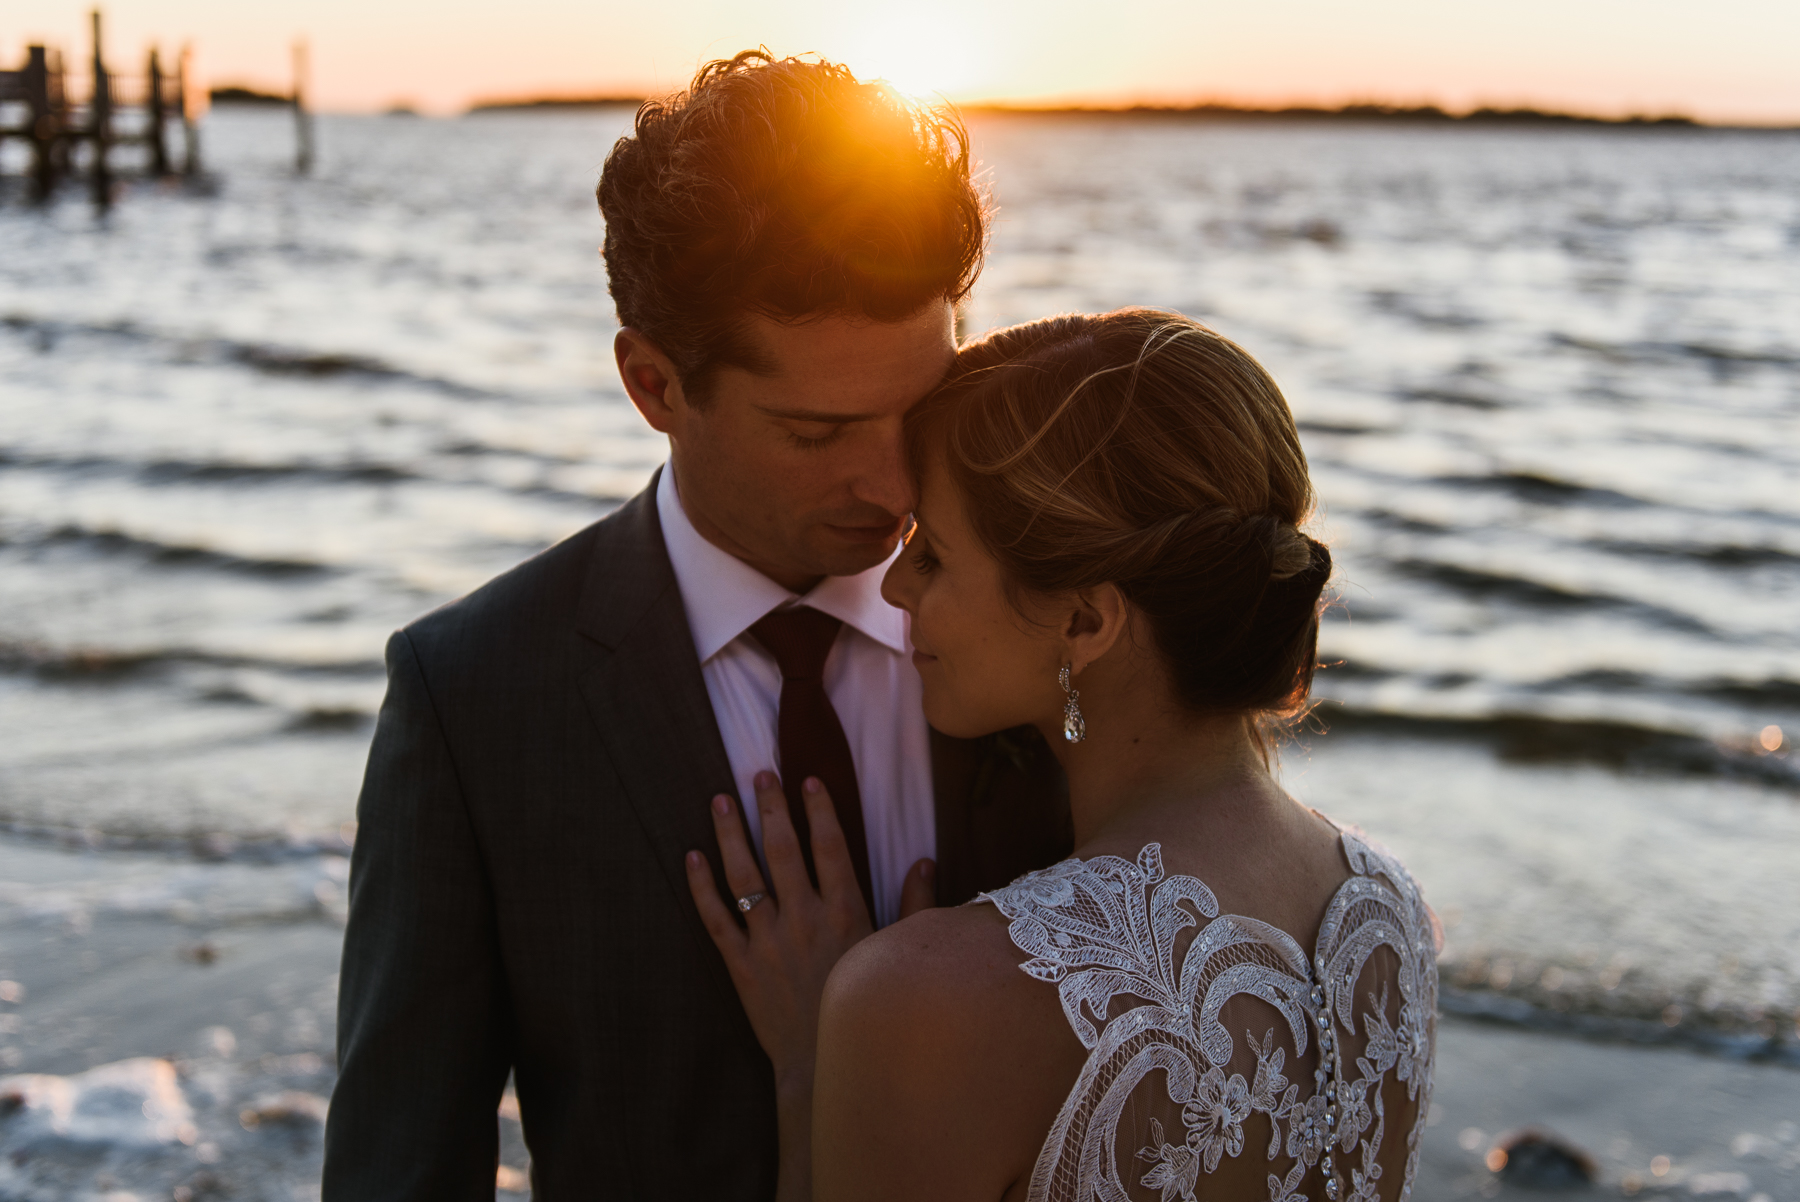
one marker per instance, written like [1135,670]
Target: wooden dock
[69,136]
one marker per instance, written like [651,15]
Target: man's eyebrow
[813,415]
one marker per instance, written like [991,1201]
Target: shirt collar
[724,596]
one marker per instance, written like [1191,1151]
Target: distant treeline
[238,94]
[553,102]
[1355,112]
[1416,113]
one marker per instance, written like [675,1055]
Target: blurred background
[1528,273]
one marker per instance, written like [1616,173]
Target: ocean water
[1549,383]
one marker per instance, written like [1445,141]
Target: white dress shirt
[869,677]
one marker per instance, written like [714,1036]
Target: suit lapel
[646,697]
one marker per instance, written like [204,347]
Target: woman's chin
[959,723]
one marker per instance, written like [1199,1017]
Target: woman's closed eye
[918,551]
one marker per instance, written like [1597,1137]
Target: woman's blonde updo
[1142,449]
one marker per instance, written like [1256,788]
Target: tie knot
[799,638]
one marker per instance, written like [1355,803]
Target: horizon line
[1364,109]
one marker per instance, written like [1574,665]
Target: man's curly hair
[787,188]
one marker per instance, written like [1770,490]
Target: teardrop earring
[1074,724]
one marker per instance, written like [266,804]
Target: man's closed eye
[807,436]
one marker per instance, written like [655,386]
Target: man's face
[802,473]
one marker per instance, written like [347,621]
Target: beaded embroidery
[1105,932]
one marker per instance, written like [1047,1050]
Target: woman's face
[985,667]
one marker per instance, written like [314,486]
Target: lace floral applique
[1105,933]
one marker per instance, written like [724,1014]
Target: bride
[1223,994]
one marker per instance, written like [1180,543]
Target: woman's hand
[789,941]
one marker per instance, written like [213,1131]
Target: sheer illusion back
[1223,1060]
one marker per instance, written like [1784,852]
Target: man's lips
[867,534]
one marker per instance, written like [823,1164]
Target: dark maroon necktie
[811,740]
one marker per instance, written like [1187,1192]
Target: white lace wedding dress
[1223,1061]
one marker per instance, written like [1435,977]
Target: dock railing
[55,126]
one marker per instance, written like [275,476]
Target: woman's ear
[1094,623]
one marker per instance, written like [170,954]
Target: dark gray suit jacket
[542,763]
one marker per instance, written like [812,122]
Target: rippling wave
[1548,382]
[1561,515]
[46,336]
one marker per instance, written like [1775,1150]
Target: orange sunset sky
[1731,60]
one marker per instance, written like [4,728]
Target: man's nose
[886,480]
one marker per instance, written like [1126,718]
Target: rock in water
[290,1107]
[130,1104]
[1538,1159]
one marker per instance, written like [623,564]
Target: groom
[785,247]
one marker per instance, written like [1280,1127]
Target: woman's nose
[899,586]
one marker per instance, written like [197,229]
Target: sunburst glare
[922,53]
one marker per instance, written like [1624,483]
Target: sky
[1727,60]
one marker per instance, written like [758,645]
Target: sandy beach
[187,1038]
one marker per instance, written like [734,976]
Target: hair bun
[1292,552]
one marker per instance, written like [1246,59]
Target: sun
[920,56]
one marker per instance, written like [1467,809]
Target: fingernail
[927,870]
[721,805]
[693,859]
[813,785]
[765,780]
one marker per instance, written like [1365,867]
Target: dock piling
[62,150]
[303,130]
[43,122]
[190,129]
[157,133]
[100,126]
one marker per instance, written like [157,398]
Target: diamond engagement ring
[748,902]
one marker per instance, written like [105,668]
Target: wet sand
[100,989]
[243,1011]
[1727,1128]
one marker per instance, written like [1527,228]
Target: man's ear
[1093,623]
[650,381]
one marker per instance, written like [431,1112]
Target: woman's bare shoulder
[936,958]
[969,1057]
[940,997]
